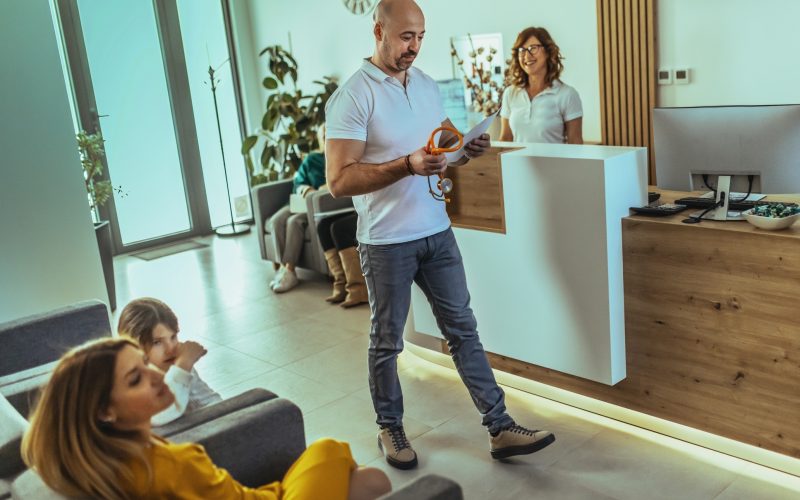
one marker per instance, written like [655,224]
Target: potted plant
[99,190]
[290,121]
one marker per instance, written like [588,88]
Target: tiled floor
[313,353]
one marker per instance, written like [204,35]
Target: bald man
[377,124]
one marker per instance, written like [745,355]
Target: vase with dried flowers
[485,91]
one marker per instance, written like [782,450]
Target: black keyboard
[693,202]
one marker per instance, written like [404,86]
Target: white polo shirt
[542,118]
[393,121]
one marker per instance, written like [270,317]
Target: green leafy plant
[90,147]
[290,122]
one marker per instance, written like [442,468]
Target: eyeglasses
[530,49]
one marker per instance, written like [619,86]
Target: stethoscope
[444,184]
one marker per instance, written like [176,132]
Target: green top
[311,172]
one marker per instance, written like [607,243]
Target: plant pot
[103,232]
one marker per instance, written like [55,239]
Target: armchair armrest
[257,445]
[428,487]
[323,201]
[268,198]
[212,412]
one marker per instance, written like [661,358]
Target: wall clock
[359,7]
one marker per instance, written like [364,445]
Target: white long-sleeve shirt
[190,391]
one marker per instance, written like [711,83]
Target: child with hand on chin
[154,326]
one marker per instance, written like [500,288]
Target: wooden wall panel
[477,197]
[626,47]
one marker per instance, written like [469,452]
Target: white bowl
[770,223]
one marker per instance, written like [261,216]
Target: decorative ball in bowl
[772,216]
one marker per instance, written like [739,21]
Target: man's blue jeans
[434,264]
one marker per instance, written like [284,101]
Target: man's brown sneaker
[393,443]
[517,440]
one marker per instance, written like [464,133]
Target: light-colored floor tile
[471,466]
[431,394]
[293,340]
[626,467]
[547,484]
[353,420]
[753,489]
[223,367]
[307,394]
[343,367]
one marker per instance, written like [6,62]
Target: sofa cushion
[12,427]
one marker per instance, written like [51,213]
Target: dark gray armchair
[270,197]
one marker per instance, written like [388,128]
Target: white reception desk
[539,228]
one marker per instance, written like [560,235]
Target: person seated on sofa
[290,229]
[337,236]
[90,436]
[154,326]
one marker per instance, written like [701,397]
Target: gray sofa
[270,197]
[255,435]
[257,444]
[33,344]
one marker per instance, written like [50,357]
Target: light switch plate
[664,77]
[682,76]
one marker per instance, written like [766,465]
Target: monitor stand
[723,195]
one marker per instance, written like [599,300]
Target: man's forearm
[363,178]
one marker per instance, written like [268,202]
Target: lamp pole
[233,229]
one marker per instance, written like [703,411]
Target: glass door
[127,76]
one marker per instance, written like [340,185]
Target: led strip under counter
[701,445]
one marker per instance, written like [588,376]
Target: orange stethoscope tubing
[444,185]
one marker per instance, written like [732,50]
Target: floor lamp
[233,229]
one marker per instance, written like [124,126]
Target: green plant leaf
[270,83]
[248,143]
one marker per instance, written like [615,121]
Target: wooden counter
[712,315]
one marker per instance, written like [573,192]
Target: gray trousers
[289,231]
[434,263]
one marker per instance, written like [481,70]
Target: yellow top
[185,471]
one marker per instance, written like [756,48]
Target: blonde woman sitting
[90,436]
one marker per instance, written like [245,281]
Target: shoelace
[522,430]
[399,439]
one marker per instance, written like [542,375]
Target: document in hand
[476,131]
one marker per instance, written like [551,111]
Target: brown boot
[335,265]
[356,286]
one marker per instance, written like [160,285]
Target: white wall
[738,51]
[48,251]
[329,40]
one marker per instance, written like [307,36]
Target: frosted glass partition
[204,45]
[127,70]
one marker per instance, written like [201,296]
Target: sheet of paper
[476,131]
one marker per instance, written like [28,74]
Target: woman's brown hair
[141,316]
[554,67]
[74,452]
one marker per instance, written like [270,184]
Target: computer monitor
[728,144]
